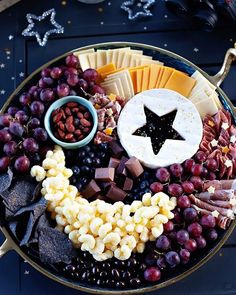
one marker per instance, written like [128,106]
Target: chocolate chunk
[116,194]
[114,163]
[105,174]
[100,197]
[116,148]
[121,168]
[91,190]
[128,184]
[134,167]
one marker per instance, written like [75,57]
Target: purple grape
[188,164]
[197,182]
[211,235]
[37,108]
[200,157]
[163,175]
[182,236]
[151,258]
[34,123]
[21,117]
[204,172]
[5,120]
[12,111]
[208,221]
[83,84]
[163,243]
[175,189]
[22,164]
[4,163]
[25,99]
[10,148]
[161,262]
[56,73]
[72,79]
[90,75]
[30,145]
[63,90]
[33,89]
[191,245]
[183,202]
[45,72]
[172,258]
[195,229]
[176,170]
[190,214]
[156,187]
[201,242]
[184,255]
[211,164]
[211,176]
[197,169]
[40,134]
[97,89]
[47,95]
[16,129]
[70,71]
[188,187]
[72,61]
[5,136]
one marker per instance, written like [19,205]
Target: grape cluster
[23,139]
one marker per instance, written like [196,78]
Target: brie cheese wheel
[187,123]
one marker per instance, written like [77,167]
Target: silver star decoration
[21,74]
[2,91]
[2,66]
[29,32]
[143,4]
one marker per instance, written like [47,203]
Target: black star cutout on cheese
[158,129]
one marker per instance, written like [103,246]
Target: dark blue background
[88,24]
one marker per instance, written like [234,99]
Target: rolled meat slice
[220,203]
[223,195]
[220,184]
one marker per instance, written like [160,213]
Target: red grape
[63,90]
[188,187]
[195,229]
[182,236]
[197,169]
[183,202]
[30,145]
[208,221]
[200,157]
[90,75]
[5,120]
[190,214]
[72,79]
[47,95]
[10,148]
[37,108]
[16,129]
[169,226]
[197,182]
[188,164]
[152,274]
[190,245]
[175,189]
[172,258]
[163,243]
[156,187]
[184,255]
[163,175]
[72,61]
[40,134]
[5,136]
[56,73]
[201,242]
[22,164]
[4,163]
[25,99]
[45,72]
[97,89]
[211,164]
[176,170]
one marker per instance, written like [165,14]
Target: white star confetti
[20,60]
[10,37]
[58,29]
[214,143]
[165,16]
[233,139]
[143,4]
[2,66]
[21,74]
[109,3]
[8,57]
[26,272]
[225,126]
[228,163]
[211,190]
[12,78]
[215,213]
[2,91]
[195,49]
[165,45]
[8,52]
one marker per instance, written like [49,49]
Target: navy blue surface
[89,24]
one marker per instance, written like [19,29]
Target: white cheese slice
[101,58]
[92,57]
[121,57]
[84,61]
[116,53]
[77,53]
[109,54]
[145,61]
[110,87]
[207,106]
[135,59]
[160,101]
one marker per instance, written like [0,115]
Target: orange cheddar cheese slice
[139,79]
[133,75]
[159,77]
[112,72]
[145,79]
[165,76]
[180,83]
[154,72]
[106,69]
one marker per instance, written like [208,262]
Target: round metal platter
[172,60]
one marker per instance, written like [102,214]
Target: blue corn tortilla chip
[5,180]
[55,246]
[28,231]
[19,194]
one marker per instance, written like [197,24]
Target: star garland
[144,4]
[29,32]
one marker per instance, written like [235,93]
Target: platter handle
[5,247]
[221,75]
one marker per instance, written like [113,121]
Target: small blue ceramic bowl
[57,104]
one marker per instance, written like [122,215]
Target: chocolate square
[134,167]
[121,168]
[113,162]
[116,194]
[116,148]
[105,174]
[91,190]
[128,184]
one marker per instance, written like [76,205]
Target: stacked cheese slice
[204,96]
[120,57]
